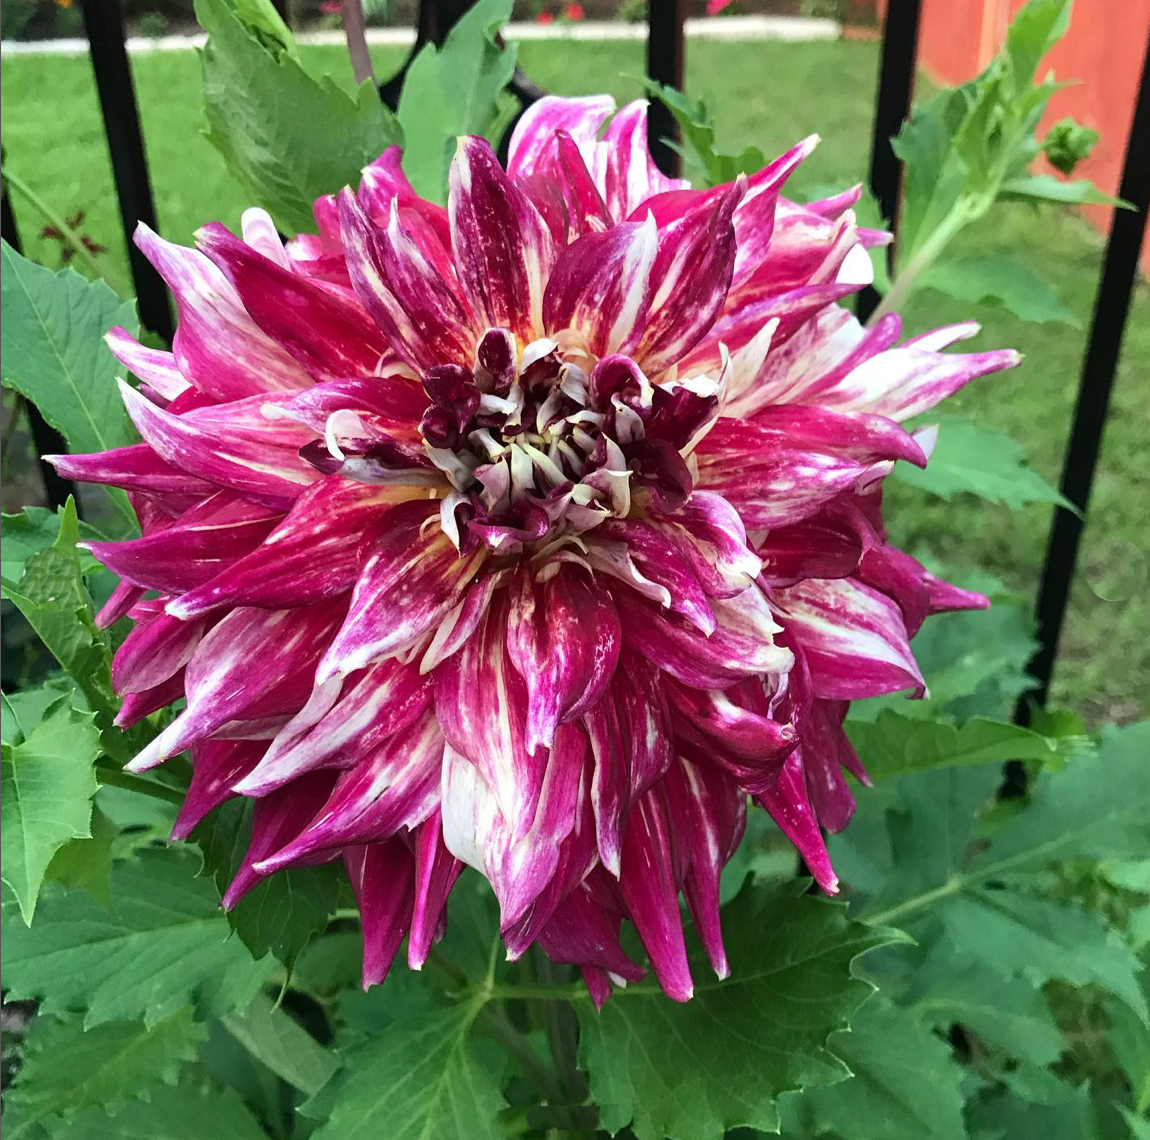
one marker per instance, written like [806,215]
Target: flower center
[544,444]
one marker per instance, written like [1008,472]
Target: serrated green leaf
[52,597]
[691,1071]
[1012,1118]
[1139,1125]
[86,864]
[281,913]
[894,744]
[182,1112]
[1097,807]
[977,460]
[54,353]
[164,940]
[33,530]
[420,1079]
[1037,27]
[1129,1038]
[24,709]
[698,129]
[289,136]
[282,1044]
[46,789]
[455,91]
[1007,1014]
[1047,188]
[67,1069]
[905,1082]
[1002,280]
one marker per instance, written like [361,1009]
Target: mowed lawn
[769,94]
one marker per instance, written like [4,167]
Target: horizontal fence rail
[665,63]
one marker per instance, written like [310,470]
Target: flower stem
[118,778]
[499,1027]
[69,234]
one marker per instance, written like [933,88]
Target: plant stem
[562,1035]
[512,992]
[950,887]
[69,234]
[120,779]
[499,1027]
[922,259]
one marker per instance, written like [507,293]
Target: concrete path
[723,28]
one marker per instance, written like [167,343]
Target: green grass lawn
[770,94]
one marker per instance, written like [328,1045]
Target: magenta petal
[503,249]
[383,701]
[630,175]
[412,578]
[275,821]
[789,806]
[563,637]
[581,933]
[601,286]
[135,468]
[192,549]
[253,663]
[312,555]
[396,786]
[381,877]
[534,133]
[154,651]
[436,870]
[217,765]
[416,309]
[854,639]
[328,334]
[648,886]
[154,367]
[826,751]
[218,347]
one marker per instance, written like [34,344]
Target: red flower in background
[545,18]
[574,12]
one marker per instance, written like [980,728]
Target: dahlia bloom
[537,533]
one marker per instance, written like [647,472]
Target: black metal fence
[665,56]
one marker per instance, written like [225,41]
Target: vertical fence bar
[892,105]
[1103,346]
[105,27]
[665,57]
[45,438]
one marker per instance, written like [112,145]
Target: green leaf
[1006,1014]
[420,1079]
[282,1044]
[285,910]
[904,1083]
[53,599]
[455,91]
[1012,1118]
[1003,280]
[288,136]
[46,789]
[34,530]
[67,1069]
[1129,1039]
[24,709]
[179,1113]
[54,353]
[86,864]
[895,744]
[692,1071]
[164,940]
[1047,188]
[1139,1125]
[1037,27]
[1097,807]
[698,130]
[978,460]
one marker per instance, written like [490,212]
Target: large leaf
[285,910]
[180,1113]
[54,354]
[455,91]
[164,943]
[290,137]
[977,460]
[67,1069]
[895,744]
[33,530]
[904,1083]
[281,1043]
[52,597]
[1003,280]
[47,782]
[420,1079]
[1047,188]
[692,1071]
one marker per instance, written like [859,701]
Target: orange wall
[1103,50]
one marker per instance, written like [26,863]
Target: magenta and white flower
[537,534]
